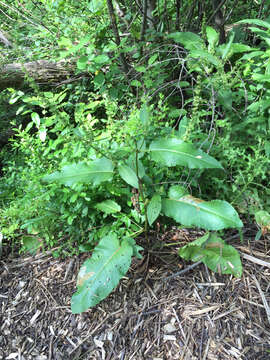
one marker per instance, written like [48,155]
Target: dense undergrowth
[93,164]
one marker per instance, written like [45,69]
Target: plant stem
[141,193]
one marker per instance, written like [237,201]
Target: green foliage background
[180,81]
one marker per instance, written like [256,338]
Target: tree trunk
[43,72]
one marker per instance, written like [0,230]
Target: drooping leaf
[100,274]
[153,208]
[128,175]
[109,206]
[98,171]
[214,253]
[255,22]
[189,40]
[172,152]
[209,215]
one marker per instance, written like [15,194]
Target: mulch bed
[196,315]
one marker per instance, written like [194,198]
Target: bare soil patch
[196,315]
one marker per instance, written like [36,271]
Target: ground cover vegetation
[111,112]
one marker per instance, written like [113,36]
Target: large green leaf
[100,274]
[172,152]
[209,215]
[128,175]
[214,253]
[99,170]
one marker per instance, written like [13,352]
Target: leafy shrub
[130,166]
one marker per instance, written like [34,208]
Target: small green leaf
[261,77]
[31,244]
[95,6]
[190,40]
[183,127]
[128,175]
[108,206]
[36,119]
[100,274]
[144,115]
[201,54]
[101,59]
[225,49]
[82,62]
[214,253]
[98,171]
[177,192]
[212,37]
[225,98]
[172,152]
[99,79]
[136,83]
[153,208]
[152,59]
[267,148]
[42,134]
[263,220]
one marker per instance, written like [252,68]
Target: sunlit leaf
[96,172]
[109,206]
[128,175]
[172,152]
[209,215]
[100,274]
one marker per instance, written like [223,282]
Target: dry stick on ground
[266,306]
[190,267]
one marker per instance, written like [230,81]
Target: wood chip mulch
[198,315]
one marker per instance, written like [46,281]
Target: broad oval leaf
[153,208]
[172,152]
[214,253]
[209,215]
[108,206]
[98,171]
[100,274]
[128,175]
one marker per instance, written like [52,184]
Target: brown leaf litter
[197,315]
